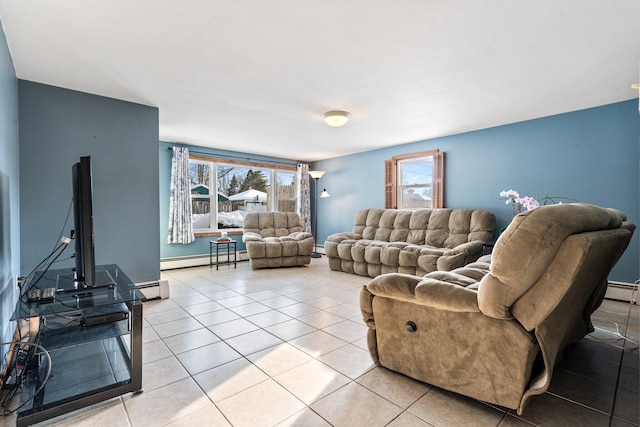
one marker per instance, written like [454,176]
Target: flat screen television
[83,223]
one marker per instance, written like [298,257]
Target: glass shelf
[89,364]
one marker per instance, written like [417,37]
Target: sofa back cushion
[272,224]
[544,251]
[442,228]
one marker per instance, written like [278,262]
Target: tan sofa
[495,331]
[410,241]
[276,239]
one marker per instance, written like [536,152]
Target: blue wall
[201,245]
[590,155]
[9,193]
[57,127]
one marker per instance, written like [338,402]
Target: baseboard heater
[158,289]
[622,291]
[194,261]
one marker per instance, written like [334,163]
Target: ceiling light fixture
[336,117]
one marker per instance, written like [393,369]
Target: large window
[415,181]
[223,192]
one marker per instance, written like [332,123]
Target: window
[224,191]
[415,181]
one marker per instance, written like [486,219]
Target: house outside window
[415,181]
[224,192]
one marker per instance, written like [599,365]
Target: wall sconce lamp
[316,175]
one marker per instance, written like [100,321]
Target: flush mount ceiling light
[336,117]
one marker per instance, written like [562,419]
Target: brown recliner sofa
[494,331]
[276,239]
[410,241]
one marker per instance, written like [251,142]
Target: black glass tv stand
[89,364]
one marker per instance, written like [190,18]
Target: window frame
[392,192]
[214,163]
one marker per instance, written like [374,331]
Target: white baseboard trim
[194,260]
[622,291]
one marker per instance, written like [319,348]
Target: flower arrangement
[518,203]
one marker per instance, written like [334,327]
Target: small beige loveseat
[410,241]
[276,239]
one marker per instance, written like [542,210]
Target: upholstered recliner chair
[276,239]
[494,331]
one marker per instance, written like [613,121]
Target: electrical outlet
[17,281]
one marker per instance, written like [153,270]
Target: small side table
[228,247]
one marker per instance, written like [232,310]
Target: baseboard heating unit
[154,290]
[622,291]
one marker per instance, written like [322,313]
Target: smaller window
[415,181]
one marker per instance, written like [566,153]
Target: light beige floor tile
[234,301]
[311,381]
[195,298]
[209,416]
[159,317]
[190,340]
[162,372]
[290,329]
[278,302]
[268,318]
[347,330]
[176,327]
[216,317]
[264,404]
[362,343]
[148,334]
[442,408]
[158,305]
[298,309]
[317,343]
[253,341]
[250,309]
[229,379]
[278,359]
[206,307]
[323,302]
[395,387]
[349,360]
[347,310]
[207,357]
[304,418]
[406,419]
[154,350]
[321,319]
[354,406]
[233,328]
[161,406]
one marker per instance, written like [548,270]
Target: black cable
[46,378]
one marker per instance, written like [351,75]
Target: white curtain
[180,226]
[304,197]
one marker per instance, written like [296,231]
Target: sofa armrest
[249,236]
[444,291]
[301,235]
[458,256]
[347,235]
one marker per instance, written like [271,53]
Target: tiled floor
[287,347]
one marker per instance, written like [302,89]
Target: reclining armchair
[494,329]
[276,239]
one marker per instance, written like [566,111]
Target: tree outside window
[238,189]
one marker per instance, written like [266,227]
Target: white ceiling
[256,76]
